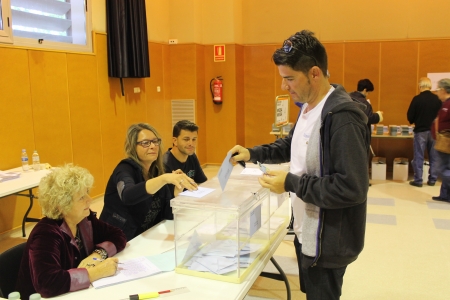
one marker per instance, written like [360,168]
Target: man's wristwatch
[102,252]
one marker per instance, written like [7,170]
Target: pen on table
[100,260]
[156,294]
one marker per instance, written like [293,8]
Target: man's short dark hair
[305,51]
[365,84]
[184,125]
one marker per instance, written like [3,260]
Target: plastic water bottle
[36,161]
[35,296]
[14,296]
[25,165]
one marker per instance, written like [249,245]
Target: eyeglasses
[288,46]
[147,143]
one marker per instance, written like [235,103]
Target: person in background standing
[443,125]
[365,86]
[421,112]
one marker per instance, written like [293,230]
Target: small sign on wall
[219,53]
[435,77]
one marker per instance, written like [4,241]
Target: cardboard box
[400,169]
[426,169]
[379,168]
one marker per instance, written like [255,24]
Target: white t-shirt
[299,145]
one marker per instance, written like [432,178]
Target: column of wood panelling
[260,92]
[50,104]
[220,119]
[165,89]
[16,130]
[182,84]
[240,96]
[398,80]
[135,104]
[200,103]
[434,57]
[335,53]
[362,60]
[85,117]
[112,112]
[398,84]
[155,100]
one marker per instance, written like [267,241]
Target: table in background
[27,181]
[392,136]
[159,239]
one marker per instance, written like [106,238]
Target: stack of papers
[221,257]
[5,176]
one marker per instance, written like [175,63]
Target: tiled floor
[406,254]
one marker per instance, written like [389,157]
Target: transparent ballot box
[224,234]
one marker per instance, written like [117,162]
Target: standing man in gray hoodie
[328,179]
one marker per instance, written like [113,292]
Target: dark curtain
[126,24]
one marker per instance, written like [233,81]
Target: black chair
[9,269]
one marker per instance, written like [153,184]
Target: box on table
[393,130]
[379,168]
[400,169]
[224,234]
[426,170]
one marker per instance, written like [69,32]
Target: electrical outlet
[173,41]
[137,90]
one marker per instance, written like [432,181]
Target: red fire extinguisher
[215,85]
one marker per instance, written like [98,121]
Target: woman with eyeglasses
[137,195]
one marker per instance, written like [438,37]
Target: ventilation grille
[183,110]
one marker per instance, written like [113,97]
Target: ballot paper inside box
[379,168]
[400,169]
[224,234]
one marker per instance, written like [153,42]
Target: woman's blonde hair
[57,189]
[157,168]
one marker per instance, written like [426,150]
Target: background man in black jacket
[421,112]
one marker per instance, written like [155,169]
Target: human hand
[181,181]
[90,261]
[274,180]
[242,154]
[101,269]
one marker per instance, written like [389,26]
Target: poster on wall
[435,77]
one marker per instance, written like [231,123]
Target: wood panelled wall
[65,106]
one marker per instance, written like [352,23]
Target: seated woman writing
[137,195]
[70,247]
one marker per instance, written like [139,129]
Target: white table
[27,181]
[158,239]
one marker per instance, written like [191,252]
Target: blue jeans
[319,283]
[444,171]
[422,141]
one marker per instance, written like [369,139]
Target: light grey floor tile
[381,201]
[442,224]
[381,219]
[438,205]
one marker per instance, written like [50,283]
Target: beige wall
[268,21]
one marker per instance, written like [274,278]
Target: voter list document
[129,270]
